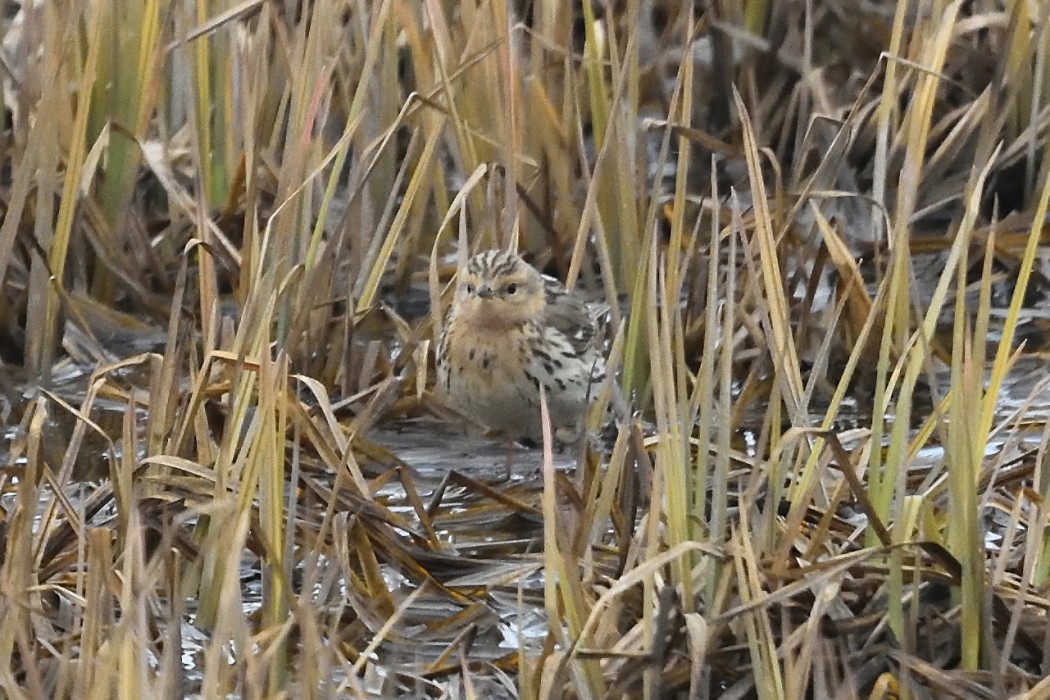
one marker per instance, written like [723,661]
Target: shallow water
[489,529]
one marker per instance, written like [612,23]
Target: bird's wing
[567,313]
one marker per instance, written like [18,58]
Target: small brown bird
[511,330]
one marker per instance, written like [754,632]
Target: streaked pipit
[511,330]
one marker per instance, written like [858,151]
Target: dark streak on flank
[532,378]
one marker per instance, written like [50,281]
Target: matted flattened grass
[231,230]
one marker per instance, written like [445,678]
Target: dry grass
[821,231]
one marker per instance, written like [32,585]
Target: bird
[509,331]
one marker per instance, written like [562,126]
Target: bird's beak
[485,291]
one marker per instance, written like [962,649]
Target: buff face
[499,290]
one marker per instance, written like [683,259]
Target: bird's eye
[470,289]
[512,288]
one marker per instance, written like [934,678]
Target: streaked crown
[499,289]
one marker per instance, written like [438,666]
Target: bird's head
[498,289]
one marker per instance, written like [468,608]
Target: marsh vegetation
[229,233]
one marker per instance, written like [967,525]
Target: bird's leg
[508,465]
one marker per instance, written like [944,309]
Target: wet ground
[481,542]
